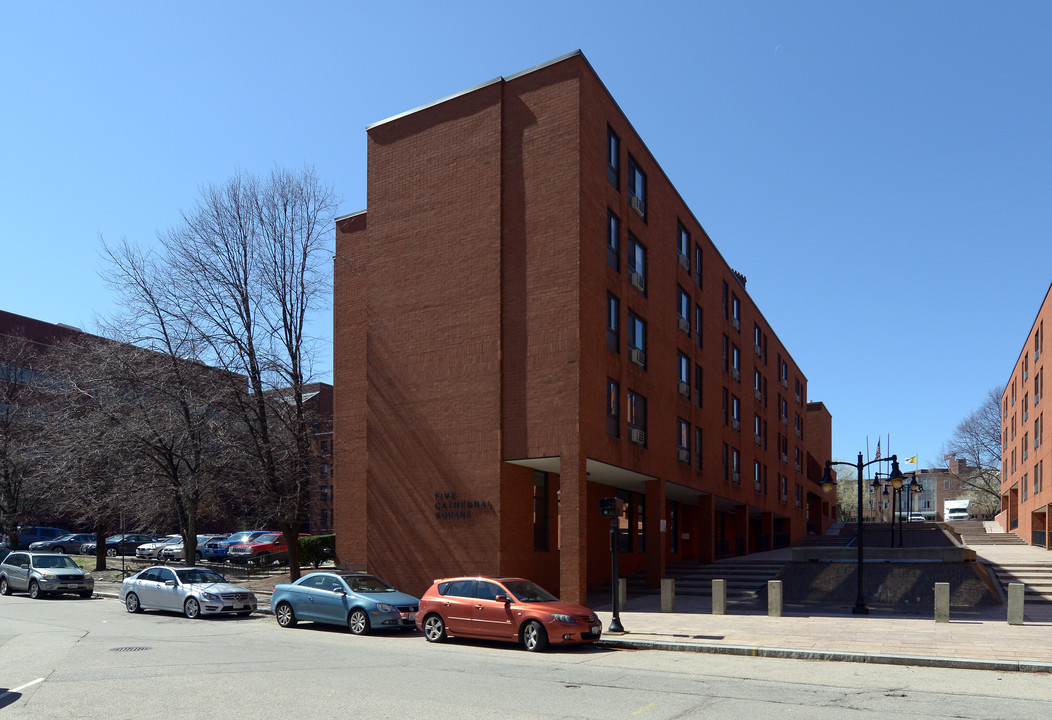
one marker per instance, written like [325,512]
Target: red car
[263,549]
[504,608]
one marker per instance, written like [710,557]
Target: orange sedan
[504,608]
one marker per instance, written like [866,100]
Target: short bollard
[1015,603]
[942,602]
[719,597]
[622,593]
[668,595]
[774,598]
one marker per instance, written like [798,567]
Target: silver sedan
[192,591]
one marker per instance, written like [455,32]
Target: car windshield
[527,592]
[241,536]
[367,584]
[267,538]
[196,576]
[173,540]
[60,561]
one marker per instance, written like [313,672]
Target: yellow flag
[912,460]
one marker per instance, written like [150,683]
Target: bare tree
[846,491]
[977,439]
[21,419]
[240,275]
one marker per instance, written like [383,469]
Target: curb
[831,655]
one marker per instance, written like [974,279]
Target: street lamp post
[828,483]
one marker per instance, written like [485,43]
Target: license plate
[70,587]
[595,629]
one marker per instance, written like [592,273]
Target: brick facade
[472,356]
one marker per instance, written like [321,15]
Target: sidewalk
[975,639]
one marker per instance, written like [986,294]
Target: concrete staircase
[744,578]
[1035,576]
[974,532]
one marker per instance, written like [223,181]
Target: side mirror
[501,598]
[169,583]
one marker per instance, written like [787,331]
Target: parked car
[360,602]
[40,574]
[175,551]
[126,544]
[216,550]
[152,550]
[266,548]
[192,591]
[29,534]
[68,543]
[916,517]
[506,608]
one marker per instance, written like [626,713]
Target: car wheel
[34,589]
[192,608]
[61,550]
[285,615]
[5,589]
[434,628]
[358,622]
[132,604]
[111,552]
[534,636]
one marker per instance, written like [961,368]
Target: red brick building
[529,318]
[1026,499]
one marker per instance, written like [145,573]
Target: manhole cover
[128,649]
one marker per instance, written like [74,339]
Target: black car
[119,544]
[69,543]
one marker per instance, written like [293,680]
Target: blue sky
[881,171]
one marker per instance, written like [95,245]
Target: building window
[325,517]
[726,354]
[736,471]
[641,523]
[697,448]
[613,158]
[683,309]
[613,241]
[637,189]
[683,246]
[736,413]
[726,300]
[757,476]
[726,407]
[637,340]
[637,264]
[736,312]
[613,408]
[697,265]
[325,493]
[697,326]
[697,385]
[637,418]
[613,323]
[683,440]
[726,463]
[624,527]
[540,510]
[683,374]
[736,363]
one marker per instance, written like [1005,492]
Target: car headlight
[384,607]
[560,617]
[88,576]
[48,575]
[210,596]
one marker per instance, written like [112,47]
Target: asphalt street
[69,658]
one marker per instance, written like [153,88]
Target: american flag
[878,449]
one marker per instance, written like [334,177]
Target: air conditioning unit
[1026,374]
[736,373]
[684,388]
[637,436]
[684,456]
[638,357]
[637,281]
[684,261]
[758,440]
[758,350]
[1035,399]
[684,325]
[636,203]
[758,395]
[736,323]
[1036,442]
[1037,354]
[736,424]
[736,478]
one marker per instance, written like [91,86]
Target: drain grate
[128,649]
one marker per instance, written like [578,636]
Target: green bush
[316,549]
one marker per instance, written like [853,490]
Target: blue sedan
[361,602]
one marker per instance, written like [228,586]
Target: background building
[1025,498]
[529,318]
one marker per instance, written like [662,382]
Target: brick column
[574,515]
[656,539]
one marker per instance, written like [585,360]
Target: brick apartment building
[1026,500]
[529,318]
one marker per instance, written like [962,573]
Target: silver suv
[40,574]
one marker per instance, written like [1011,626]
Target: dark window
[697,265]
[637,264]
[637,418]
[637,189]
[697,447]
[683,374]
[624,523]
[641,523]
[613,241]
[697,325]
[540,510]
[697,385]
[613,408]
[683,246]
[637,339]
[683,309]
[613,323]
[613,158]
